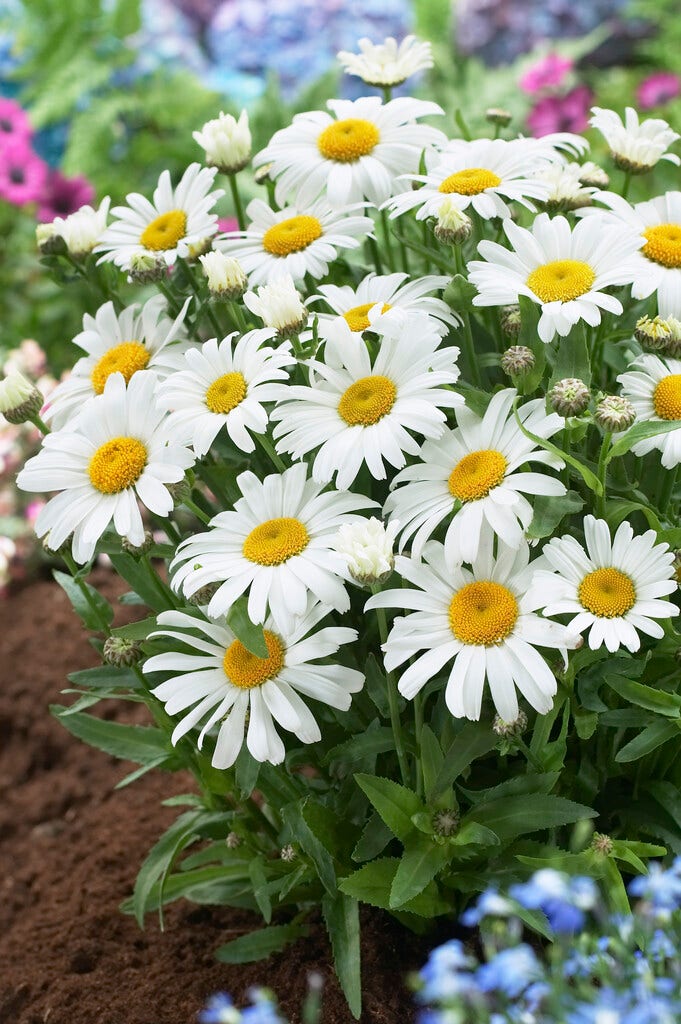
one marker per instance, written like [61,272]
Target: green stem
[198,512]
[75,572]
[375,255]
[418,726]
[237,202]
[468,343]
[269,450]
[566,448]
[667,490]
[40,424]
[238,316]
[387,93]
[386,239]
[602,471]
[627,183]
[392,697]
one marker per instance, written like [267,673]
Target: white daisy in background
[567,190]
[564,270]
[355,154]
[178,220]
[635,147]
[388,63]
[482,174]
[220,387]
[613,588]
[653,386]
[298,240]
[361,411]
[277,543]
[83,229]
[117,454]
[126,343]
[226,686]
[474,477]
[480,623]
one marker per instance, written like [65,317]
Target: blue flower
[446,973]
[220,1010]
[562,899]
[510,972]
[489,904]
[660,887]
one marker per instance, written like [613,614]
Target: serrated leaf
[514,816]
[138,575]
[474,740]
[341,915]
[160,860]
[374,838]
[652,737]
[474,834]
[372,884]
[139,743]
[260,944]
[395,803]
[667,704]
[420,863]
[432,759]
[249,633]
[94,618]
[293,815]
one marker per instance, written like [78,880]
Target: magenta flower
[228,224]
[658,89]
[548,73]
[22,172]
[568,113]
[62,196]
[14,122]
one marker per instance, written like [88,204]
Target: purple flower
[22,173]
[14,122]
[568,113]
[657,89]
[548,73]
[62,196]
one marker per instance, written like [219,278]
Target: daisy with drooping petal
[479,623]
[354,155]
[564,270]
[225,685]
[124,343]
[117,454]
[613,588]
[177,220]
[387,64]
[223,387]
[362,411]
[635,147]
[473,474]
[278,544]
[295,241]
[653,386]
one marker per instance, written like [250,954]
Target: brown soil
[70,847]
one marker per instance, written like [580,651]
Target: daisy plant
[391,476]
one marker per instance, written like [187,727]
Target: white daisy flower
[388,63]
[126,343]
[653,386]
[613,588]
[117,454]
[298,240]
[361,412]
[562,269]
[223,387]
[225,685]
[635,147]
[278,544]
[567,190]
[355,154]
[226,142]
[480,623]
[279,305]
[473,476]
[177,220]
[83,229]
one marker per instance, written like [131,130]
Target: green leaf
[432,759]
[640,432]
[374,838]
[652,737]
[372,884]
[473,834]
[348,755]
[395,803]
[549,510]
[341,914]
[293,815]
[139,743]
[160,860]
[529,320]
[421,862]
[376,686]
[473,741]
[141,579]
[514,816]
[137,630]
[250,634]
[572,358]
[105,677]
[589,477]
[668,704]
[459,293]
[246,772]
[260,944]
[256,873]
[92,617]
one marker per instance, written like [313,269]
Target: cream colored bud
[279,305]
[226,142]
[20,399]
[453,225]
[225,275]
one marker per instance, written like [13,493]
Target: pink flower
[568,113]
[228,224]
[62,196]
[14,122]
[548,73]
[22,172]
[658,89]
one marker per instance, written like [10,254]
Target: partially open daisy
[361,411]
[479,624]
[126,342]
[298,240]
[564,270]
[388,63]
[230,690]
[613,588]
[635,147]
[224,387]
[473,476]
[178,219]
[278,544]
[116,455]
[653,386]
[353,155]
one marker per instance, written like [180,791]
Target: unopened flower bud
[593,175]
[226,142]
[517,361]
[197,249]
[225,275]
[203,596]
[497,115]
[367,547]
[20,399]
[82,230]
[233,840]
[180,491]
[654,333]
[288,852]
[48,240]
[279,305]
[61,550]
[137,550]
[677,565]
[445,822]
[614,413]
[510,321]
[144,268]
[262,174]
[509,730]
[602,844]
[569,397]
[453,225]
[121,652]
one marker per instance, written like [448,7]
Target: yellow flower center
[607,593]
[476,474]
[663,244]
[245,670]
[667,397]
[346,141]
[482,613]
[226,392]
[357,319]
[275,541]
[165,231]
[292,235]
[561,280]
[470,182]
[126,358]
[117,464]
[367,401]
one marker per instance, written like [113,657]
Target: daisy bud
[279,305]
[674,341]
[591,174]
[615,413]
[510,321]
[196,251]
[517,361]
[181,491]
[82,230]
[288,852]
[145,268]
[121,652]
[497,115]
[226,142]
[445,823]
[137,550]
[509,730]
[48,240]
[225,275]
[20,399]
[569,397]
[677,567]
[233,840]
[62,549]
[367,547]
[203,595]
[453,225]
[653,334]
[602,844]
[262,174]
